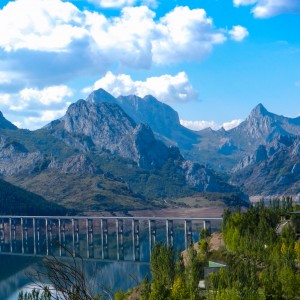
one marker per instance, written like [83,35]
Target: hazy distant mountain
[261,127]
[273,169]
[224,149]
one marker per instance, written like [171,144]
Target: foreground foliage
[174,279]
[263,263]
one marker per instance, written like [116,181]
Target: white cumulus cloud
[53,41]
[238,33]
[43,25]
[33,108]
[43,118]
[270,8]
[231,124]
[183,34]
[123,3]
[199,125]
[46,96]
[244,2]
[166,88]
[113,3]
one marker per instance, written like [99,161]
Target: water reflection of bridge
[97,237]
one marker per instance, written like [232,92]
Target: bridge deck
[109,218]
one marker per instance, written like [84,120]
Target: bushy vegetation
[173,278]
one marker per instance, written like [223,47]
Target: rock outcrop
[273,169]
[16,159]
[105,126]
[162,118]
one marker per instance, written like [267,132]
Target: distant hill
[17,201]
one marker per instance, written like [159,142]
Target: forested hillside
[17,201]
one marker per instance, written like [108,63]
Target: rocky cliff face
[224,149]
[203,179]
[16,159]
[105,126]
[273,169]
[160,117]
[262,126]
[163,119]
[98,126]
[76,164]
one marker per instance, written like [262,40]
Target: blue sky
[211,60]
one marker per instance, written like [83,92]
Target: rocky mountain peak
[5,124]
[104,126]
[260,126]
[259,111]
[101,95]
[162,118]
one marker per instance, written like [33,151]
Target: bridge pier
[120,239]
[104,238]
[89,238]
[2,230]
[38,235]
[136,239]
[49,236]
[152,234]
[26,235]
[2,235]
[188,233]
[61,235]
[207,226]
[10,235]
[73,237]
[22,235]
[34,237]
[169,233]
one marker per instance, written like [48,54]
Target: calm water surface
[18,264]
[17,273]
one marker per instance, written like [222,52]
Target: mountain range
[123,153]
